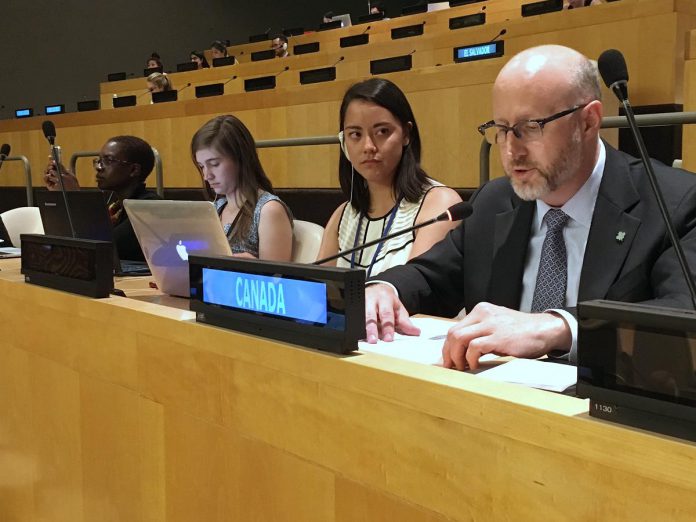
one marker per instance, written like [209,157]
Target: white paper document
[425,348]
[6,252]
[536,374]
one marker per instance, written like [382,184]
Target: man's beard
[551,177]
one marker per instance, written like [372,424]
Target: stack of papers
[6,252]
[427,349]
[536,374]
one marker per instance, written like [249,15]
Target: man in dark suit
[574,219]
[122,167]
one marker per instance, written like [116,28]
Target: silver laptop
[344,18]
[168,231]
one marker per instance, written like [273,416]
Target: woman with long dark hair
[257,222]
[199,59]
[382,179]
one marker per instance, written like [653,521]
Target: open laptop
[343,18]
[168,231]
[90,216]
[7,250]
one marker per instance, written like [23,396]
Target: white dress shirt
[580,209]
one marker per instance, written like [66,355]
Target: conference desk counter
[127,409]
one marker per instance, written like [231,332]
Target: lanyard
[390,221]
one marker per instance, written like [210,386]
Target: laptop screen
[168,231]
[88,211]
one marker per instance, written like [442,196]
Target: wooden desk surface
[124,409]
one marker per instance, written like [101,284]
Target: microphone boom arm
[54,153]
[379,240]
[676,243]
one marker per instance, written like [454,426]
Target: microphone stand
[54,154]
[380,240]
[620,90]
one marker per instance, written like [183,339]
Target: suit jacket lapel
[511,239]
[612,231]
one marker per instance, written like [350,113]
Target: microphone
[286,68]
[338,61]
[4,152]
[228,81]
[503,32]
[366,29]
[456,212]
[612,68]
[185,87]
[49,130]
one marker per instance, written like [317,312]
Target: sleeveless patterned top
[249,244]
[395,251]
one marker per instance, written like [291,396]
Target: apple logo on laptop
[181,250]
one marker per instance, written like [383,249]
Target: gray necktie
[552,277]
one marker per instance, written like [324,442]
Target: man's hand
[495,329]
[384,314]
[53,183]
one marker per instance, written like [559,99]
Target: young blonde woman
[159,82]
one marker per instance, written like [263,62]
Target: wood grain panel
[219,425]
[18,456]
[56,441]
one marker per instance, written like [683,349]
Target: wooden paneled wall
[122,409]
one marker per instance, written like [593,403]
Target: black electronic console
[312,306]
[393,64]
[543,7]
[78,266]
[325,74]
[637,365]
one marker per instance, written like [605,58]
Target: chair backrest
[22,220]
[306,240]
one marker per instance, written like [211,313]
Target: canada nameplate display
[317,307]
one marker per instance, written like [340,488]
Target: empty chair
[22,220]
[306,239]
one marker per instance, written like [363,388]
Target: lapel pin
[620,236]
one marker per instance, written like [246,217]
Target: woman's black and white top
[355,229]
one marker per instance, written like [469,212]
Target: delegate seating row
[449,102]
[380,31]
[432,48]
[355,59]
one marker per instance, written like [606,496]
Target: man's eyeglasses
[107,161]
[527,130]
